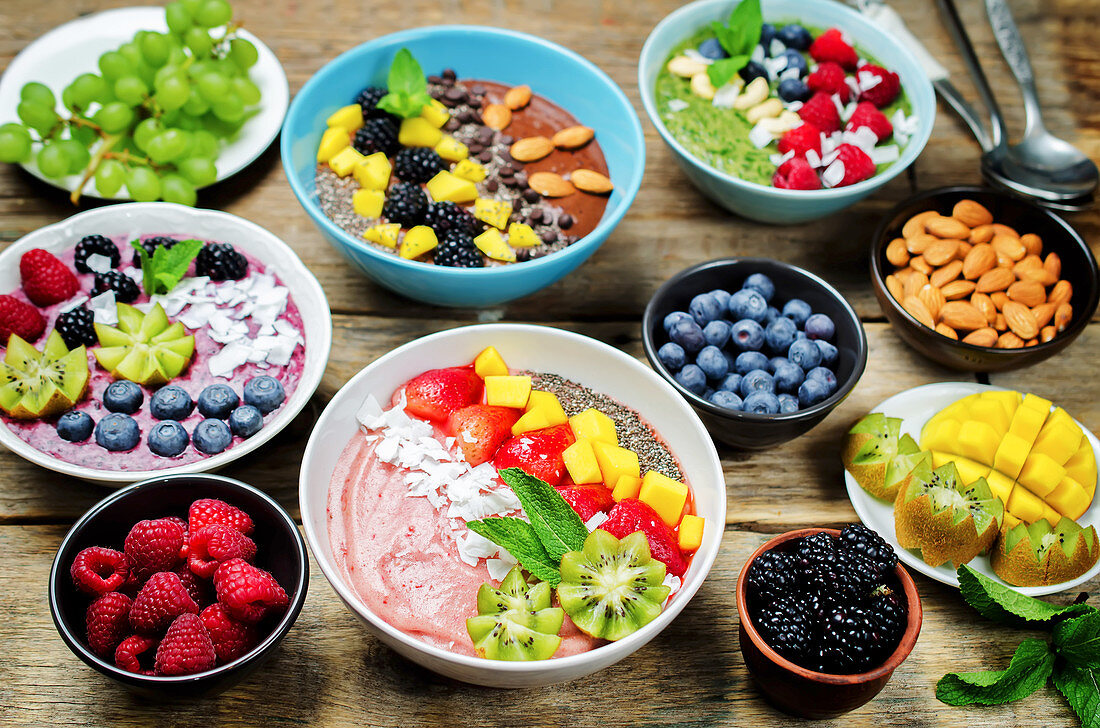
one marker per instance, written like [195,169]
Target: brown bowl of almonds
[981,281]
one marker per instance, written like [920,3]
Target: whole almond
[896,252]
[496,116]
[1029,293]
[1062,316]
[999,323]
[591,182]
[1029,261]
[1008,248]
[946,274]
[999,298]
[971,213]
[955,290]
[920,264]
[999,229]
[996,279]
[517,97]
[573,137]
[1047,333]
[931,297]
[915,224]
[919,311]
[981,337]
[549,184]
[941,252]
[893,285]
[916,244]
[1033,243]
[1061,293]
[962,316]
[1031,342]
[1009,340]
[964,249]
[946,227]
[945,330]
[531,149]
[978,261]
[1020,319]
[914,282]
[1040,274]
[981,234]
[1043,313]
[1053,265]
[984,303]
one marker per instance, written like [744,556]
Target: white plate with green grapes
[172,99]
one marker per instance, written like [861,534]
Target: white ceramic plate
[69,50]
[915,407]
[136,218]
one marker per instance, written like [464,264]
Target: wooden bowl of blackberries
[826,617]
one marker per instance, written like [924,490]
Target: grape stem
[128,158]
[101,153]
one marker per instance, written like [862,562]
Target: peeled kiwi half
[37,383]
[1039,554]
[945,519]
[611,588]
[516,621]
[881,460]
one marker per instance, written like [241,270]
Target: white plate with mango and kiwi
[960,472]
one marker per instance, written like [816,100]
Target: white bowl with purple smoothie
[188,368]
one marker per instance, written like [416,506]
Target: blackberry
[445,217]
[851,642]
[417,164]
[457,250]
[368,100]
[95,245]
[842,572]
[75,327]
[126,291]
[221,262]
[376,135]
[870,545]
[771,575]
[151,244]
[405,204]
[785,627]
[891,617]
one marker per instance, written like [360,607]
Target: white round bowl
[138,218]
[539,348]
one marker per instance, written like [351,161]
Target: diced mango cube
[691,533]
[491,242]
[978,441]
[368,203]
[348,117]
[470,170]
[1012,453]
[594,425]
[969,471]
[418,132]
[664,495]
[1025,505]
[1041,475]
[507,390]
[580,461]
[435,113]
[992,413]
[615,462]
[549,403]
[1069,498]
[531,420]
[345,160]
[1027,423]
[1082,467]
[451,149]
[333,141]
[1037,403]
[493,212]
[1010,400]
[446,187]
[1000,484]
[627,487]
[1059,440]
[373,173]
[418,241]
[940,435]
[522,235]
[384,234]
[490,362]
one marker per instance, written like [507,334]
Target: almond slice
[573,137]
[591,182]
[517,97]
[531,149]
[549,184]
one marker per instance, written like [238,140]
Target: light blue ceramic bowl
[765,203]
[493,54]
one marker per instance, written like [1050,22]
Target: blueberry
[788,403]
[675,317]
[725,399]
[761,403]
[246,421]
[780,334]
[217,401]
[797,310]
[731,359]
[748,304]
[747,335]
[712,48]
[828,352]
[820,326]
[707,393]
[117,432]
[771,315]
[800,335]
[212,436]
[264,393]
[795,36]
[123,396]
[788,376]
[711,361]
[732,383]
[717,333]
[795,60]
[704,308]
[170,403]
[168,439]
[767,32]
[757,380]
[672,356]
[811,392]
[775,362]
[749,360]
[722,296]
[75,426]
[687,334]
[805,354]
[793,89]
[751,71]
[761,284]
[826,376]
[692,378]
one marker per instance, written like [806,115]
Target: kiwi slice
[37,383]
[515,622]
[145,348]
[879,459]
[944,518]
[1039,554]
[611,588]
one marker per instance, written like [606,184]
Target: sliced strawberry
[480,429]
[587,500]
[435,394]
[537,453]
[630,515]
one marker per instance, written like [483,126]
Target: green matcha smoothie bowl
[784,111]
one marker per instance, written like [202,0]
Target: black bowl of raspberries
[826,618]
[180,585]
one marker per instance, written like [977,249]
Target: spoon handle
[1013,49]
[999,133]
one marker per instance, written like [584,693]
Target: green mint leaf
[1028,671]
[741,33]
[722,72]
[555,522]
[1081,686]
[518,537]
[1004,604]
[407,87]
[147,273]
[169,266]
[1078,639]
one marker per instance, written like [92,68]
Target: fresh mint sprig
[1028,671]
[1003,604]
[407,87]
[165,268]
[738,37]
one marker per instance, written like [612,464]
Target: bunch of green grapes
[156,115]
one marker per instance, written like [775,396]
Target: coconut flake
[793,106]
[675,105]
[760,136]
[776,47]
[884,155]
[673,583]
[790,73]
[104,310]
[813,158]
[596,521]
[775,66]
[779,159]
[226,361]
[698,57]
[758,55]
[833,174]
[98,263]
[726,95]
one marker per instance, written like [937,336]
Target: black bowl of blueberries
[762,350]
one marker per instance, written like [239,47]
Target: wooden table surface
[330,671]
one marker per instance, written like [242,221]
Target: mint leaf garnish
[739,36]
[407,87]
[1081,686]
[519,539]
[558,526]
[720,72]
[165,268]
[1027,672]
[1004,604]
[1078,639]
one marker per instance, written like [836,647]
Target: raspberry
[405,204]
[205,511]
[76,327]
[196,587]
[186,648]
[796,174]
[247,592]
[19,318]
[97,570]
[866,114]
[154,546]
[126,291]
[376,135]
[831,46]
[46,280]
[417,164]
[457,250]
[107,622]
[162,599]
[221,261]
[830,78]
[129,652]
[214,543]
[800,140]
[95,245]
[231,638]
[856,164]
[821,112]
[885,91]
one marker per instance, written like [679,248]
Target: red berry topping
[830,78]
[196,587]
[821,111]
[186,648]
[97,570]
[436,393]
[130,651]
[868,115]
[831,46]
[480,429]
[215,543]
[537,453]
[19,318]
[154,546]
[587,500]
[857,165]
[107,622]
[630,515]
[247,592]
[161,600]
[205,511]
[801,139]
[796,174]
[46,280]
[885,91]
[232,638]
